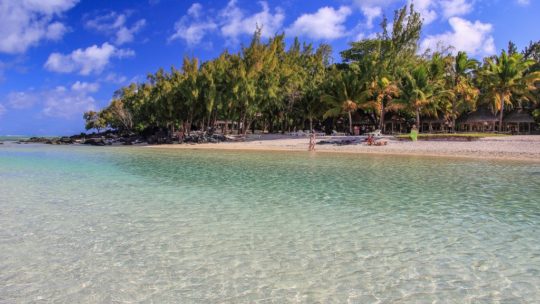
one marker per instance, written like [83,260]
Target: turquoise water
[128,224]
[12,137]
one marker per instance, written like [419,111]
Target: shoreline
[522,148]
[512,148]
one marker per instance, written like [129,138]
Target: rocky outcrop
[112,138]
[95,142]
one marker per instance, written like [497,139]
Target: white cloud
[59,102]
[116,24]
[367,3]
[234,22]
[2,109]
[452,8]
[88,87]
[55,31]
[473,37]
[115,78]
[191,28]
[22,100]
[231,22]
[371,12]
[426,8]
[93,59]
[524,2]
[195,10]
[68,104]
[25,23]
[326,23]
[430,10]
[193,33]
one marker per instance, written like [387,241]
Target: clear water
[124,225]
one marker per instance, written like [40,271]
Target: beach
[522,147]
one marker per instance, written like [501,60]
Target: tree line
[267,86]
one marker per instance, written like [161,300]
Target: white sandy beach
[508,148]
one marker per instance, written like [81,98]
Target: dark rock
[95,142]
[66,140]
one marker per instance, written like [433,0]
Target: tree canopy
[269,86]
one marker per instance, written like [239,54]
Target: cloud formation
[473,37]
[60,102]
[21,100]
[453,8]
[115,24]
[327,23]
[235,22]
[231,22]
[371,12]
[85,87]
[192,28]
[25,23]
[67,103]
[92,60]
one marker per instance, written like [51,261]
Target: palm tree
[416,91]
[379,96]
[506,77]
[342,95]
[189,89]
[463,93]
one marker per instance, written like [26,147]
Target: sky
[59,58]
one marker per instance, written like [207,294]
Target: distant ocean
[20,137]
[12,137]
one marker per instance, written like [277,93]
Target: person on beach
[414,133]
[370,140]
[311,142]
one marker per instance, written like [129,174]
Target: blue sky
[59,58]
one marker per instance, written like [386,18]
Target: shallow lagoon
[128,224]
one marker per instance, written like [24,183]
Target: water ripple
[125,225]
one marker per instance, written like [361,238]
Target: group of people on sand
[370,141]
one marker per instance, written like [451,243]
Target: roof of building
[518,116]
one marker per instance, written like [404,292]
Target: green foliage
[94,120]
[509,82]
[274,88]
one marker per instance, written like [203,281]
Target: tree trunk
[311,124]
[418,119]
[189,123]
[454,116]
[253,125]
[243,123]
[247,121]
[226,128]
[381,120]
[238,123]
[350,123]
[501,114]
